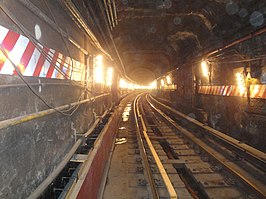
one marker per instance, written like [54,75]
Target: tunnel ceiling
[155,36]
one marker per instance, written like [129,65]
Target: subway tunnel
[78,77]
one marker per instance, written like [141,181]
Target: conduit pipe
[91,12]
[249,36]
[25,118]
[107,14]
[81,22]
[115,13]
[113,43]
[111,12]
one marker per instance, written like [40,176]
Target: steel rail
[246,177]
[236,144]
[145,163]
[166,179]
[25,118]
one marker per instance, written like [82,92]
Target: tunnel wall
[31,150]
[181,96]
[217,98]
[29,18]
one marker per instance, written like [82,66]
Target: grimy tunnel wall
[55,56]
[230,97]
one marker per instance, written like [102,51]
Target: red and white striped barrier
[256,91]
[35,59]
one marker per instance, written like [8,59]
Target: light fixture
[123,83]
[204,68]
[153,85]
[240,83]
[98,70]
[168,80]
[109,76]
[162,82]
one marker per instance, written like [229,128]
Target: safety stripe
[34,59]
[8,43]
[52,65]
[40,62]
[24,61]
[32,63]
[46,64]
[256,91]
[59,75]
[57,65]
[14,55]
[69,64]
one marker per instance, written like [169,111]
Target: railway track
[181,160]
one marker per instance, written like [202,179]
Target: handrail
[25,118]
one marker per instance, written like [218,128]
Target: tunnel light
[168,80]
[204,69]
[123,83]
[109,76]
[162,82]
[136,86]
[98,70]
[256,90]
[240,83]
[130,86]
[153,85]
[99,58]
[99,74]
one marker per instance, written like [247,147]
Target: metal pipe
[81,22]
[115,13]
[123,72]
[34,9]
[25,118]
[111,12]
[92,13]
[249,36]
[107,14]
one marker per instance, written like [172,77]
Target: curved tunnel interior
[65,65]
[169,33]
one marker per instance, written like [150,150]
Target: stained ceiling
[150,37]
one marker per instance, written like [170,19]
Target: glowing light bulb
[109,76]
[168,79]
[204,69]
[162,82]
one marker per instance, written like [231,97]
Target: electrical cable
[36,44]
[61,34]
[33,90]
[240,61]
